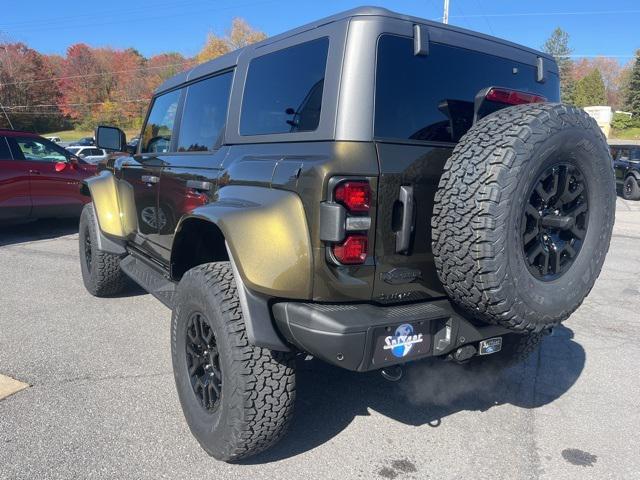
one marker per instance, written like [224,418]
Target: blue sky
[596,27]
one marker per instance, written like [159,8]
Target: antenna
[445,17]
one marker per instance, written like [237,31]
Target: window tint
[204,114]
[156,137]
[283,91]
[5,153]
[634,155]
[430,97]
[40,150]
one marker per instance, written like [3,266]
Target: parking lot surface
[102,402]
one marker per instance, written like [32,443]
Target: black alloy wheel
[203,362]
[555,221]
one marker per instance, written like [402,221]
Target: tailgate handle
[403,236]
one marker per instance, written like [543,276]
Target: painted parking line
[9,386]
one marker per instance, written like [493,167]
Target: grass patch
[627,134]
[72,135]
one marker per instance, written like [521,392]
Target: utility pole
[445,17]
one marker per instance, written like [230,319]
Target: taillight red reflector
[513,97]
[352,251]
[356,196]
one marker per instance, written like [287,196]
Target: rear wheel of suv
[523,216]
[237,398]
[631,189]
[101,271]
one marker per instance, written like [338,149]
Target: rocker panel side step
[152,279]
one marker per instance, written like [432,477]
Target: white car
[54,139]
[89,154]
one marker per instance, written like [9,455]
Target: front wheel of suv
[101,273]
[237,398]
[631,189]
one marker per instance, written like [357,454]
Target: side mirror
[111,138]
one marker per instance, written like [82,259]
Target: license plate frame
[401,343]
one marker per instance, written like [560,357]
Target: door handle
[198,185]
[403,236]
[150,179]
[34,172]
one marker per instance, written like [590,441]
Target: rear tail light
[513,97]
[354,195]
[352,251]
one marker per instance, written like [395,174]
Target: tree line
[597,81]
[88,86]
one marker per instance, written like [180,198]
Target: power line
[544,14]
[111,72]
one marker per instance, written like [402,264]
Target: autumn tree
[590,90]
[240,35]
[633,89]
[610,70]
[557,45]
[28,93]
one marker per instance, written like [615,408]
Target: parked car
[54,139]
[370,189]
[92,155]
[626,163]
[39,178]
[83,142]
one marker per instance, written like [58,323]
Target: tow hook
[393,373]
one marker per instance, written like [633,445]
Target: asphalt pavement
[102,402]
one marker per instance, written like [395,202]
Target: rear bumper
[364,337]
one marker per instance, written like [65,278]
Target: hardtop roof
[230,60]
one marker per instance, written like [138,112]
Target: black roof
[231,59]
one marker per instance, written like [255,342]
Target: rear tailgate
[424,105]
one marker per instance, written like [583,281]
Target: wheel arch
[262,231]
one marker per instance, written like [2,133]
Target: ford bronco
[369,189]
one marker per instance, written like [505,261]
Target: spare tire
[523,216]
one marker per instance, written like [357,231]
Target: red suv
[39,178]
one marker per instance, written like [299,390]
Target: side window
[205,114]
[40,150]
[283,91]
[156,136]
[624,154]
[5,153]
[635,155]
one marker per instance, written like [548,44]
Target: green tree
[557,45]
[590,90]
[633,89]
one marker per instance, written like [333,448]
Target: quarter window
[283,91]
[156,136]
[205,114]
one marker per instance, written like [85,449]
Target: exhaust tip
[393,373]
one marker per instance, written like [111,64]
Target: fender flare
[633,173]
[113,204]
[267,236]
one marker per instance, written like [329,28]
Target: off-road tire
[631,189]
[482,194]
[101,275]
[258,385]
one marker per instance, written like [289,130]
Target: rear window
[430,97]
[283,91]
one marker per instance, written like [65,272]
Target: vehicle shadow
[329,398]
[29,231]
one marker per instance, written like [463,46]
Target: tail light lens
[356,196]
[513,97]
[352,251]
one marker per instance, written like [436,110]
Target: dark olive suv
[370,189]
